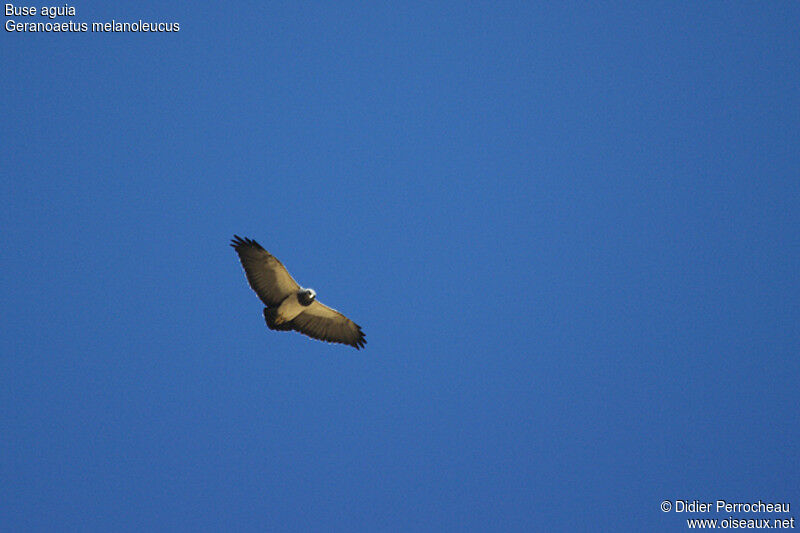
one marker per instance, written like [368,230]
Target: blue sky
[569,232]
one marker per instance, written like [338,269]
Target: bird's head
[306,296]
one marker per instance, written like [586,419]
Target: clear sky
[571,235]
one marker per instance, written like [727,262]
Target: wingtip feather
[239,242]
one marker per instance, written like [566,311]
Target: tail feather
[270,315]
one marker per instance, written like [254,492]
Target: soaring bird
[288,305]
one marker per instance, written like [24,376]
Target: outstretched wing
[266,275]
[319,321]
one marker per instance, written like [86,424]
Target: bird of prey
[288,305]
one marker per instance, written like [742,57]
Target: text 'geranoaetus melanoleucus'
[288,305]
